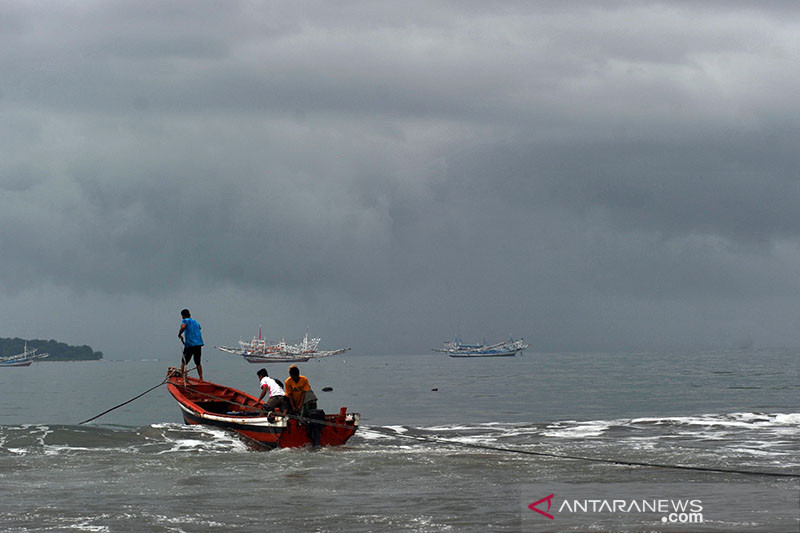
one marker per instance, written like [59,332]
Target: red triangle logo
[547,499]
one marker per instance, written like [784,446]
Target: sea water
[445,444]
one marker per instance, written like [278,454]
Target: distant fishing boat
[260,351]
[210,404]
[23,359]
[509,348]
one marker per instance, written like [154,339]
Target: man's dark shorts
[275,401]
[192,351]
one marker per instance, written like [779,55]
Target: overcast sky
[587,175]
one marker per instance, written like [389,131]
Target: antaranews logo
[639,506]
[547,499]
[679,511]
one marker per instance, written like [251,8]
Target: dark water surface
[139,468]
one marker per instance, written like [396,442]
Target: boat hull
[210,404]
[17,363]
[275,359]
[479,354]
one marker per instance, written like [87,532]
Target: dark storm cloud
[589,174]
[740,186]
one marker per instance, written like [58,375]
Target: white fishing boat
[259,350]
[23,359]
[509,348]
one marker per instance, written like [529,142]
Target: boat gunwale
[245,421]
[196,408]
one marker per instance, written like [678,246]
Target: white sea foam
[203,438]
[41,432]
[186,519]
[470,439]
[162,425]
[754,451]
[477,433]
[788,419]
[87,526]
[18,451]
[749,417]
[58,449]
[702,420]
[518,432]
[448,428]
[713,427]
[732,420]
[369,434]
[577,430]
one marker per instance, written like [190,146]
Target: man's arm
[180,332]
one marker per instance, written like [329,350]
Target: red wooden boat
[210,404]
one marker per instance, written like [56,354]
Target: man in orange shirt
[299,392]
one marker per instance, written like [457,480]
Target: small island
[58,350]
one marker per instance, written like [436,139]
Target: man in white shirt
[269,386]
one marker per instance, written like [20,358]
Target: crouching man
[276,398]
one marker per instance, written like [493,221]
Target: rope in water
[440,440]
[129,401]
[120,405]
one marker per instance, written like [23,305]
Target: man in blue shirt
[192,345]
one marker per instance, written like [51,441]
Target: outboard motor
[314,428]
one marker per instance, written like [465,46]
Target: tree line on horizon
[58,351]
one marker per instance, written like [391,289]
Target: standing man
[272,388]
[192,345]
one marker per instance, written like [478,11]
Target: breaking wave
[735,438]
[153,439]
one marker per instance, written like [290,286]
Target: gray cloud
[590,176]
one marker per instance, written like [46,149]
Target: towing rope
[441,440]
[123,403]
[129,401]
